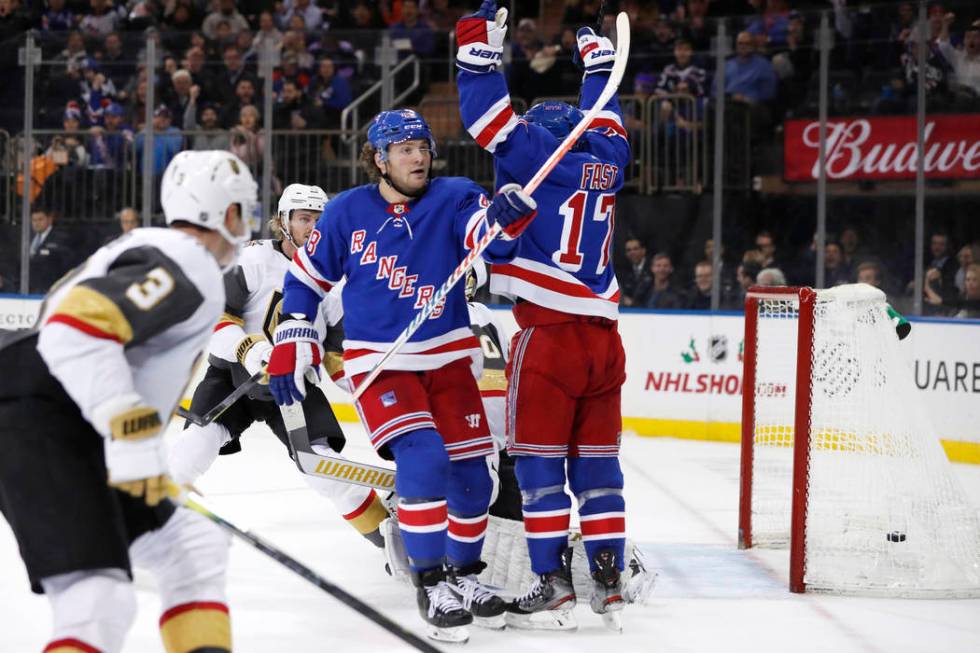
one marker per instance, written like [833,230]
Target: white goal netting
[885,514]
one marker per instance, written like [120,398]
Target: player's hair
[368,165]
[275,228]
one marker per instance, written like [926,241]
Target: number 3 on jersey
[570,256]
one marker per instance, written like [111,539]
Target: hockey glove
[480,38]
[297,354]
[253,353]
[512,209]
[135,454]
[595,53]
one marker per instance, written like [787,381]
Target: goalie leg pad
[91,610]
[546,509]
[598,486]
[422,483]
[470,487]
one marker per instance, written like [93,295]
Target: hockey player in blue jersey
[396,241]
[567,363]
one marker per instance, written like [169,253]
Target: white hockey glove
[253,353]
[135,455]
[480,38]
[595,54]
[296,355]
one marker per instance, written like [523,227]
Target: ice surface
[682,500]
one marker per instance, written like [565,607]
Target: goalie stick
[612,84]
[325,466]
[193,502]
[226,403]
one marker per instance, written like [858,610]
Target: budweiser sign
[883,148]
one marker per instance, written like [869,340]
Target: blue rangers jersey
[564,261]
[395,257]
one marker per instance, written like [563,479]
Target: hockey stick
[331,467]
[612,84]
[192,501]
[226,403]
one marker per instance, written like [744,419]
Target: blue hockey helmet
[557,117]
[398,126]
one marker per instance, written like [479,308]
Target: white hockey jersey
[491,375]
[135,317]
[253,302]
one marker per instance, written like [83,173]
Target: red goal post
[838,460]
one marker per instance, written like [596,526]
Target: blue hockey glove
[595,53]
[512,209]
[480,38]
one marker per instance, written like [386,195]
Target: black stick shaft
[226,403]
[302,570]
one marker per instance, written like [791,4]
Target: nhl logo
[718,348]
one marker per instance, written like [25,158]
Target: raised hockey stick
[226,403]
[193,502]
[612,84]
[332,467]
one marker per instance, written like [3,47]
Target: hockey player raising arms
[396,241]
[83,399]
[241,346]
[567,363]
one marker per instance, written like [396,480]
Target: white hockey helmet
[198,187]
[298,196]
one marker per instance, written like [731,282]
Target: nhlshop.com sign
[880,148]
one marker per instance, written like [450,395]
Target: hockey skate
[640,579]
[480,600]
[445,618]
[607,590]
[548,603]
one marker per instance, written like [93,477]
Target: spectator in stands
[228,13]
[699,298]
[329,92]
[195,63]
[414,30]
[109,143]
[102,20]
[214,138]
[74,53]
[749,77]
[179,101]
[181,18]
[294,45]
[661,293]
[765,245]
[96,91]
[938,69]
[967,256]
[746,274]
[268,33]
[68,149]
[794,63]
[966,60]
[851,248]
[245,94]
[682,77]
[167,141]
[836,269]
[128,219]
[294,111]
[247,143]
[962,305]
[659,50]
[771,27]
[635,278]
[50,252]
[56,18]
[365,17]
[943,260]
[309,12]
[440,16]
[771,277]
[580,12]
[233,72]
[116,65]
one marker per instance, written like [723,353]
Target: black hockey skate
[480,600]
[607,589]
[443,613]
[548,603]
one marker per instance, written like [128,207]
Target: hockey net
[839,460]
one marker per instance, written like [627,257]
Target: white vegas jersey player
[240,348]
[83,476]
